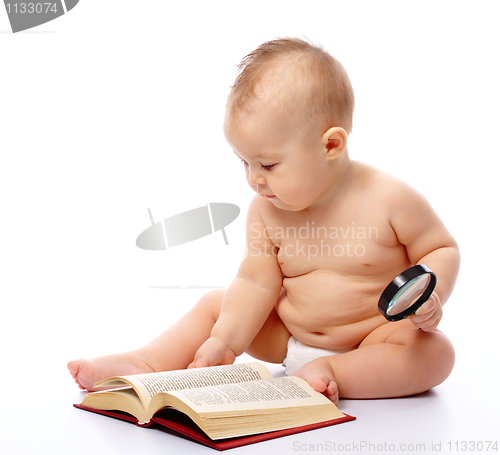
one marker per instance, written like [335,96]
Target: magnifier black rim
[400,281]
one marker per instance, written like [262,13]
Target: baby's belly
[329,310]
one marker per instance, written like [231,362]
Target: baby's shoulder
[393,196]
[380,183]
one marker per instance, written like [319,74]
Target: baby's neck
[343,172]
[341,177]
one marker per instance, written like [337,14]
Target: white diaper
[298,354]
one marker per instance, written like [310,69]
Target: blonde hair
[307,85]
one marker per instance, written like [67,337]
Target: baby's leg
[172,350]
[395,360]
[175,348]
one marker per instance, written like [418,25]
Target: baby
[325,236]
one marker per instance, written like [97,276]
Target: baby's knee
[437,355]
[445,355]
[430,356]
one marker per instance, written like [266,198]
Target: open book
[224,401]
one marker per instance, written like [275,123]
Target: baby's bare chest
[355,243]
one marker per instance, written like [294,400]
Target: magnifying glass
[407,292]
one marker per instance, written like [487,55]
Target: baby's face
[282,165]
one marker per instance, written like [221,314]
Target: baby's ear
[335,142]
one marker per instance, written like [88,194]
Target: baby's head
[298,83]
[287,119]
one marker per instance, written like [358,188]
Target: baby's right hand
[213,352]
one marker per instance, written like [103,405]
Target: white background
[118,106]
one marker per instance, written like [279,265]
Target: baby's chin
[277,202]
[282,205]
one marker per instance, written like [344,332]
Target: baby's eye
[243,161]
[267,167]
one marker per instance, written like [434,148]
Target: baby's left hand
[428,316]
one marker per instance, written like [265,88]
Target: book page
[200,377]
[148,385]
[267,393]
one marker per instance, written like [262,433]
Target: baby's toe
[327,388]
[319,383]
[332,392]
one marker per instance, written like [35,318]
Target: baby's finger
[429,321]
[431,324]
[423,320]
[427,307]
[198,363]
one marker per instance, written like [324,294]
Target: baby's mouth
[268,196]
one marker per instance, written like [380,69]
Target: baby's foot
[319,375]
[87,372]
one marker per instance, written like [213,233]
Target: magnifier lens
[408,294]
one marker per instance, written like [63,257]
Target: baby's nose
[255,177]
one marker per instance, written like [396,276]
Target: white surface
[117,107]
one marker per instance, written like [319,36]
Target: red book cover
[181,424]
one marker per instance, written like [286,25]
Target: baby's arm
[249,298]
[428,242]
